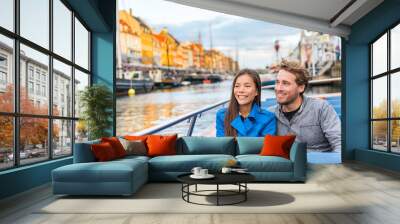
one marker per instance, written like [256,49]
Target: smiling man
[312,120]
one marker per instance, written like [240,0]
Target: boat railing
[190,117]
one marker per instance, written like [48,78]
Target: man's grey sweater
[316,123]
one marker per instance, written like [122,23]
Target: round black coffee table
[238,179]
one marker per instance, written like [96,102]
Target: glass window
[395,136]
[35,21]
[37,89]
[395,47]
[33,139]
[395,95]
[34,80]
[379,133]
[62,138]
[81,45]
[40,62]
[81,81]
[6,75]
[379,98]
[7,14]
[30,87]
[81,131]
[30,72]
[62,72]
[6,142]
[62,29]
[379,56]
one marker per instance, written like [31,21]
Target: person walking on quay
[244,115]
[313,121]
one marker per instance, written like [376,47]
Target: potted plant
[96,103]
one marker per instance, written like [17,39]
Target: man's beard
[289,101]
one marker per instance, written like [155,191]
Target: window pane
[62,141]
[62,89]
[379,98]
[62,29]
[395,94]
[34,72]
[6,142]
[35,21]
[395,47]
[81,45]
[379,135]
[81,132]
[81,81]
[395,136]
[6,75]
[7,14]
[33,139]
[379,55]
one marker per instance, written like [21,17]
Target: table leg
[217,194]
[245,193]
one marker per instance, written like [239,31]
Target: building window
[30,87]
[30,72]
[3,78]
[44,91]
[55,129]
[385,98]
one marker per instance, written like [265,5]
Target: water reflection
[147,110]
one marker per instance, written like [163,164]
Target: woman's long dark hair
[233,108]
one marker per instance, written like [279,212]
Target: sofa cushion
[185,163]
[277,145]
[134,147]
[116,145]
[249,145]
[257,163]
[103,152]
[161,145]
[206,145]
[112,171]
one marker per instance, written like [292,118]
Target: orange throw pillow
[277,145]
[159,145]
[103,152]
[116,145]
[135,138]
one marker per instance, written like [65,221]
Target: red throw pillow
[160,145]
[103,152]
[116,145]
[277,145]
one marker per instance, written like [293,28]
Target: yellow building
[157,51]
[184,56]
[147,42]
[169,47]
[198,55]
[129,38]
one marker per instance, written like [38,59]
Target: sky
[254,40]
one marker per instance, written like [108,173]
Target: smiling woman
[244,116]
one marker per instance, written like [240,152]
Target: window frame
[15,68]
[388,74]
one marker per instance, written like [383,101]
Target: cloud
[253,39]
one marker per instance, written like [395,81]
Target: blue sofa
[125,176]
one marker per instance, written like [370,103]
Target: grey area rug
[166,198]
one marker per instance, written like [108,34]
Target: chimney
[130,12]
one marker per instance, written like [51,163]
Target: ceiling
[327,16]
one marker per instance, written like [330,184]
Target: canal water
[142,111]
